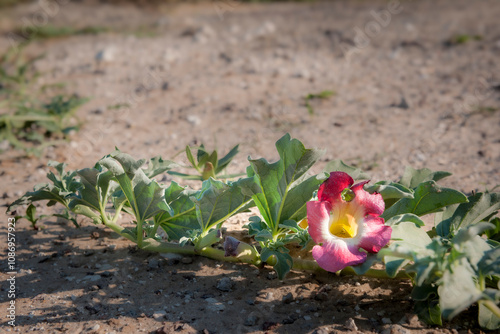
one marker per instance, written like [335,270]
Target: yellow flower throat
[344,226]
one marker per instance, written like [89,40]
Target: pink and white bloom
[344,220]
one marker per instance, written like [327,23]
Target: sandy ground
[227,73]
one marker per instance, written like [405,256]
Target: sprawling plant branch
[452,266]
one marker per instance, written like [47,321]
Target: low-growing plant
[322,96]
[30,119]
[207,164]
[369,229]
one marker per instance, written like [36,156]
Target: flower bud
[241,250]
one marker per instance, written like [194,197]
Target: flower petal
[330,189]
[375,234]
[373,203]
[318,217]
[335,255]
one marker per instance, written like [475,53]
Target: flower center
[344,226]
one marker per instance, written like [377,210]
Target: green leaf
[64,184]
[340,166]
[290,225]
[145,196]
[190,157]
[407,217]
[428,198]
[186,176]
[458,290]
[390,190]
[494,233]
[429,312]
[413,177]
[470,232]
[427,304]
[273,183]
[295,205]
[63,180]
[217,201]
[85,211]
[66,214]
[93,196]
[41,192]
[88,195]
[408,239]
[480,207]
[255,226]
[263,236]
[157,166]
[121,163]
[487,319]
[224,161]
[490,263]
[361,269]
[202,155]
[468,242]
[281,261]
[447,213]
[31,214]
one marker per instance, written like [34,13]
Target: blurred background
[379,84]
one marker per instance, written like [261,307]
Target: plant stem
[490,305]
[153,245]
[310,265]
[120,230]
[139,234]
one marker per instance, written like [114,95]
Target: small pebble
[252,319]
[153,263]
[215,305]
[351,325]
[225,284]
[395,329]
[288,298]
[159,315]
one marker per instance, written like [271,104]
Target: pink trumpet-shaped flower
[344,219]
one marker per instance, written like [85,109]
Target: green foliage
[279,258]
[322,95]
[413,177]
[480,207]
[452,266]
[451,270]
[428,197]
[228,198]
[462,39]
[181,217]
[63,185]
[31,216]
[339,165]
[50,31]
[280,191]
[207,164]
[29,121]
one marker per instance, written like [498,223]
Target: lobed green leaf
[413,177]
[480,207]
[275,182]
[340,166]
[428,198]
